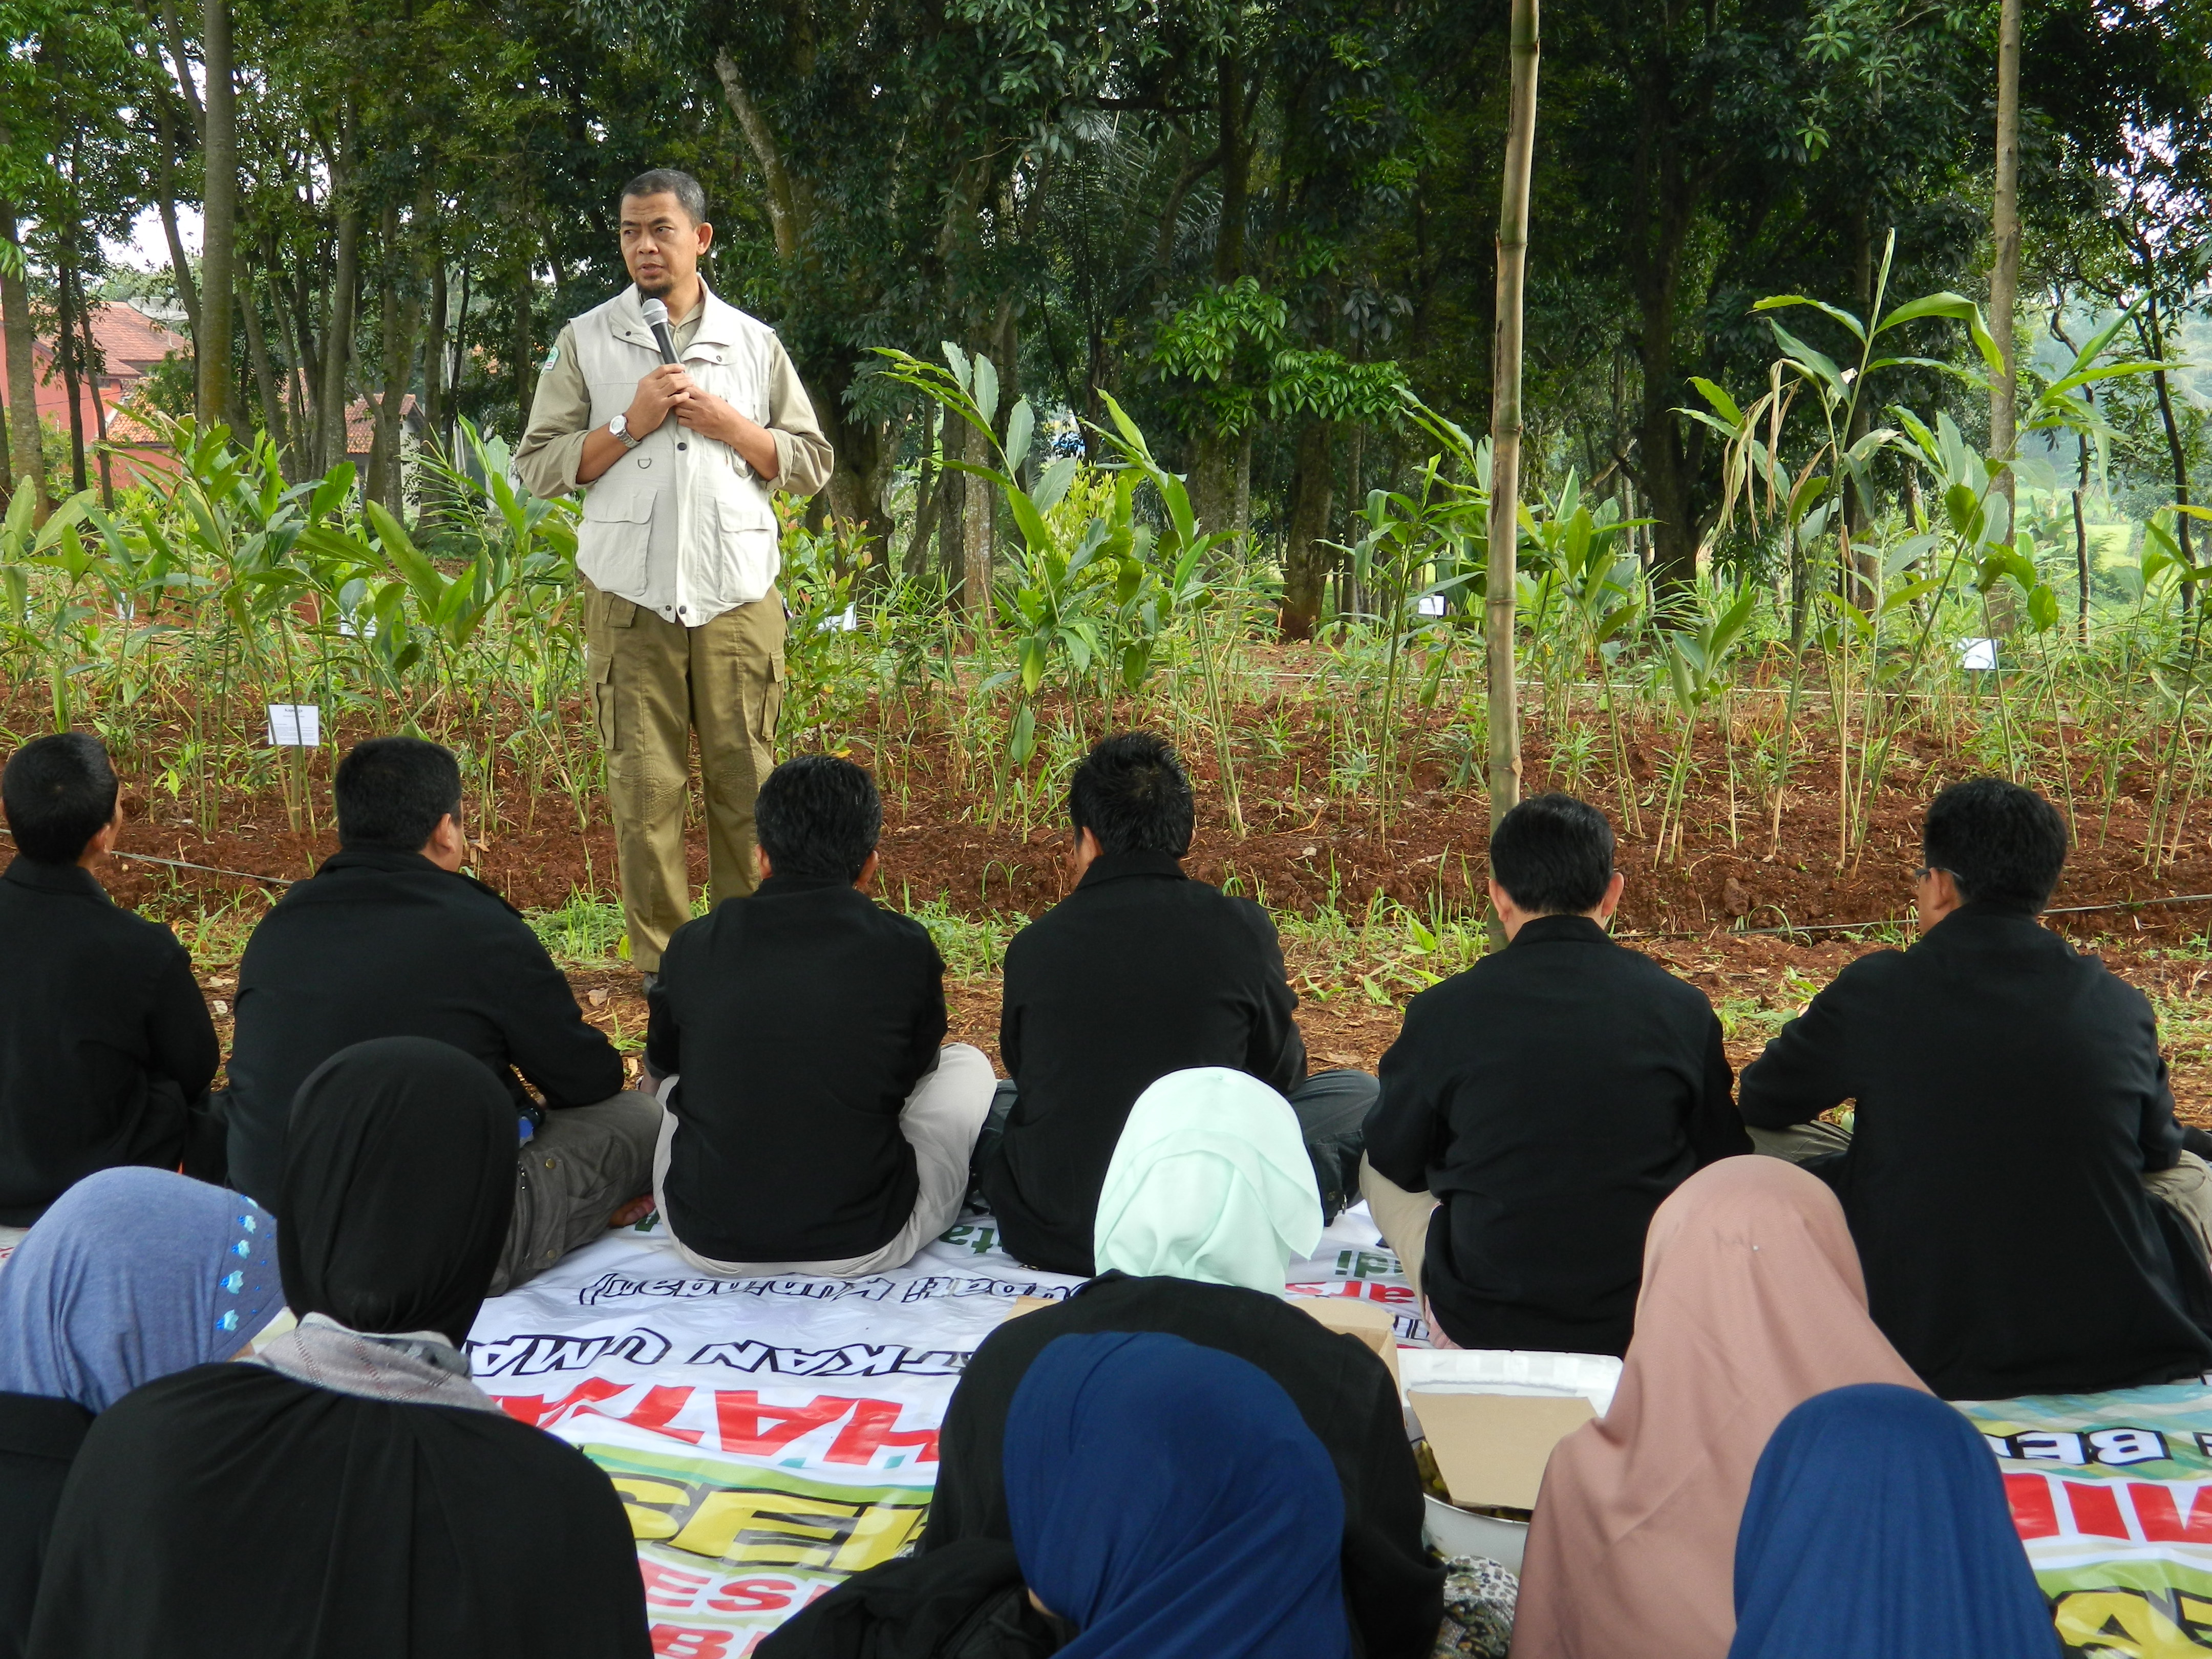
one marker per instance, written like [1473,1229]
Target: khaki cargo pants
[654,682]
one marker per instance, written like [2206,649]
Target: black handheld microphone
[656,319]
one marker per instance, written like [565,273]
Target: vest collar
[719,325]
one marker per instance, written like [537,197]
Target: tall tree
[218,215]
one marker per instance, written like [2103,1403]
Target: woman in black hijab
[351,1494]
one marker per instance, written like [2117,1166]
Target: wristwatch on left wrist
[620,427]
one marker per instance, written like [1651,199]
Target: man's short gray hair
[690,194]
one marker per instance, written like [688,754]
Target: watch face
[619,426]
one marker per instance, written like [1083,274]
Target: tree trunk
[1243,507]
[1305,561]
[435,420]
[219,217]
[976,541]
[926,491]
[1213,483]
[188,294]
[337,335]
[25,448]
[67,352]
[264,379]
[2177,456]
[93,363]
[400,313]
[1500,590]
[525,379]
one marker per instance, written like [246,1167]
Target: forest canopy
[1254,225]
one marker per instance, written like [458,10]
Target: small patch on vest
[552,356]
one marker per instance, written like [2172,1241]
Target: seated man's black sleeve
[566,1059]
[1277,1053]
[1716,1125]
[1810,1064]
[2161,1137]
[664,1042]
[180,1040]
[926,1035]
[1406,1125]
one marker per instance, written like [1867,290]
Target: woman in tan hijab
[1752,1303]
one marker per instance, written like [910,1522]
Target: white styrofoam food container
[1496,1370]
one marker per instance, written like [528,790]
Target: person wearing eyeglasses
[2019,1191]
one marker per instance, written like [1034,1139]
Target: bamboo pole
[1505,419]
[2004,272]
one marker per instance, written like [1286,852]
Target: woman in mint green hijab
[1211,1181]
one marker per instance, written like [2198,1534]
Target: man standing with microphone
[676,413]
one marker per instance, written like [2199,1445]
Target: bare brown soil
[1302,849]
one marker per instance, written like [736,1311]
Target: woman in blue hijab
[131,1275]
[1169,1503]
[1877,1526]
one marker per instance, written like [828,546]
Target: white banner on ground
[770,1437]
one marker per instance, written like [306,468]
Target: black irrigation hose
[1898,921]
[185,864]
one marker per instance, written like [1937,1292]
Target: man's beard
[658,290]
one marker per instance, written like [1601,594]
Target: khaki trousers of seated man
[583,1163]
[2186,1188]
[653,683]
[940,1121]
[1402,1219]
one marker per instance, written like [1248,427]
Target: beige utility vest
[680,525]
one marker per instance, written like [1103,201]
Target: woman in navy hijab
[1168,1501]
[1877,1526]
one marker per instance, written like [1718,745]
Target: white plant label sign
[295,725]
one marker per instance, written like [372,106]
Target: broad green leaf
[1776,302]
[987,389]
[1818,362]
[2042,608]
[1053,482]
[1021,427]
[1027,519]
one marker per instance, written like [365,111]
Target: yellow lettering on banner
[2130,1624]
[650,1504]
[768,1529]
[883,1532]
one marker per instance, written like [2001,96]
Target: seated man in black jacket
[1138,972]
[2013,1124]
[389,938]
[106,1047]
[814,1125]
[1537,1107]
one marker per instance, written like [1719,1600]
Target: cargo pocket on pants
[769,714]
[603,701]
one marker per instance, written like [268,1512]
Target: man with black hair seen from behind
[1538,1107]
[2013,1137]
[677,546]
[814,1125]
[105,1047]
[390,939]
[1138,972]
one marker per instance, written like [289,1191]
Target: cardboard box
[1028,1304]
[1357,1316]
[1491,1448]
